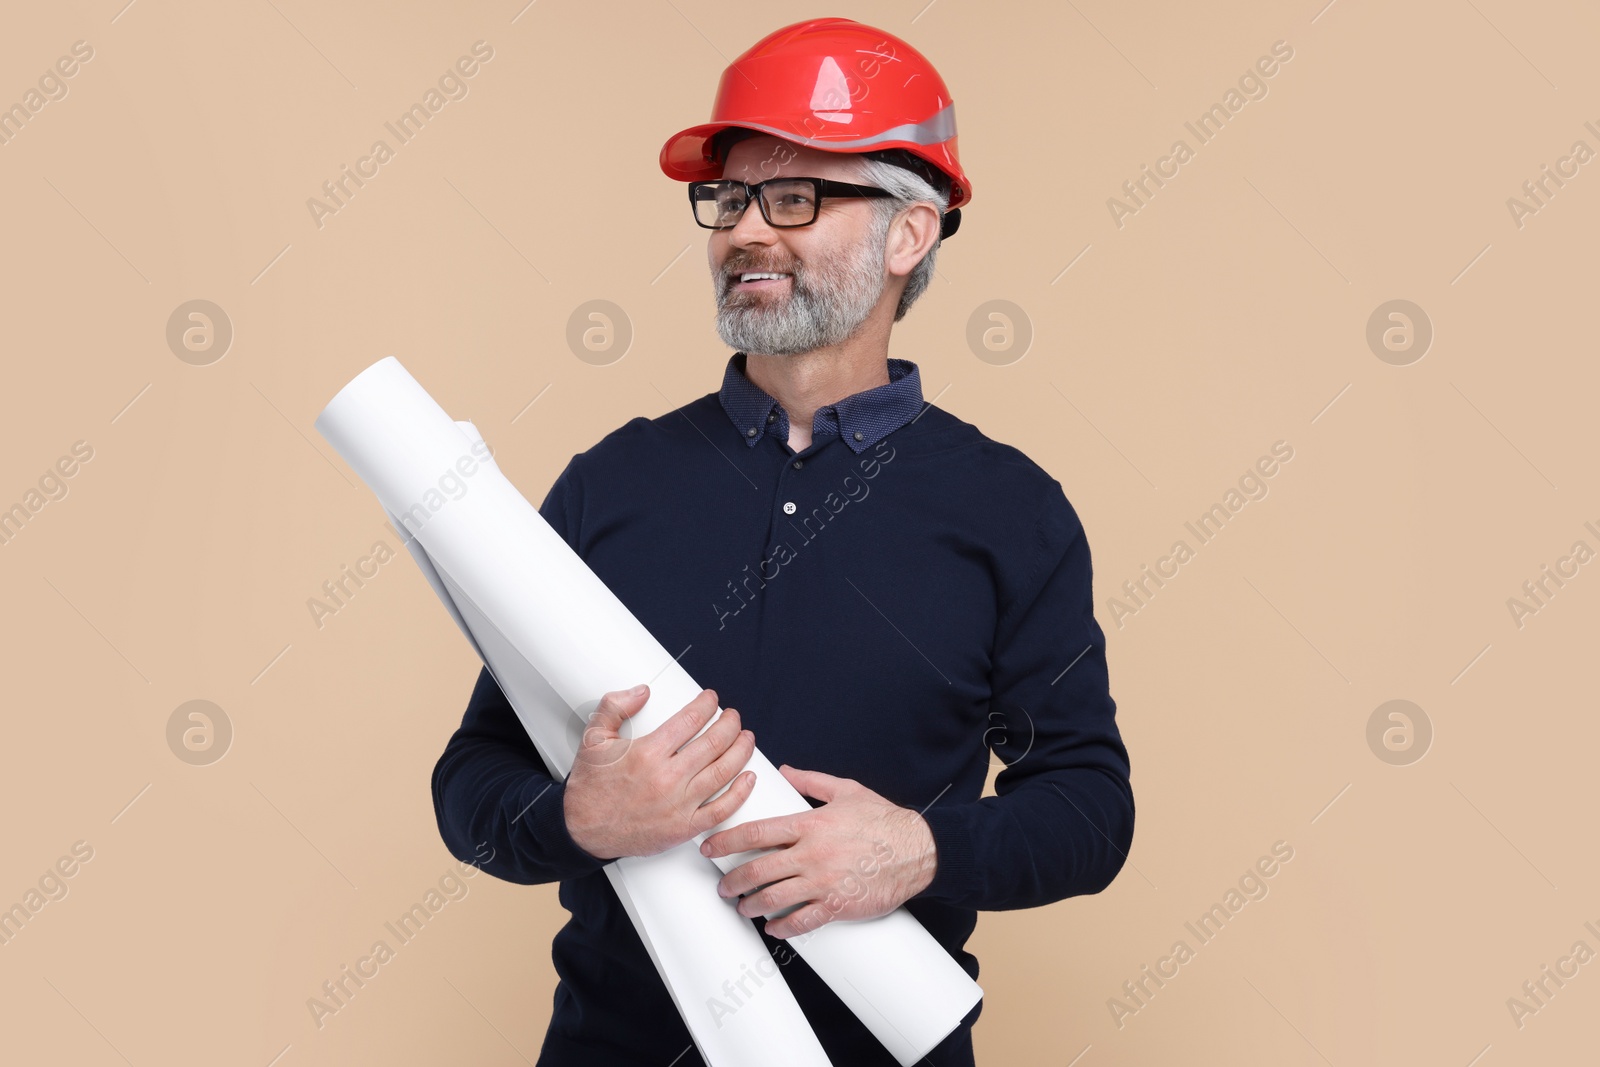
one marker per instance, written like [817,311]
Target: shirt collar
[861,419]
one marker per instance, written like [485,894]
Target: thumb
[630,702]
[616,706]
[823,787]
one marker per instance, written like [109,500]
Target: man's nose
[752,228]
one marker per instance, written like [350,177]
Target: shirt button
[799,463]
[788,507]
[773,417]
[751,432]
[857,435]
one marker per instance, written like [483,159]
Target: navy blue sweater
[902,603]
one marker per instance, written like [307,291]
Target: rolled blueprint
[516,584]
[700,945]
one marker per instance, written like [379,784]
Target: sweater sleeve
[496,802]
[1061,821]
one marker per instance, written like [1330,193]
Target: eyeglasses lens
[788,203]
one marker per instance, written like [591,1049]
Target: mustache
[734,268]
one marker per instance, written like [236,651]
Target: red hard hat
[832,84]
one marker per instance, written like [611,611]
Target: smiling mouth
[760,279]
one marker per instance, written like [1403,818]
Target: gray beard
[821,308]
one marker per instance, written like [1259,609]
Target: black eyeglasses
[785,202]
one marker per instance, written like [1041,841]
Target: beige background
[1229,313]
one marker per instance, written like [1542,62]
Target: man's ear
[911,234]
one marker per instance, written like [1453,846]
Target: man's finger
[758,833]
[777,897]
[713,813]
[726,769]
[823,787]
[701,751]
[686,721]
[752,874]
[800,922]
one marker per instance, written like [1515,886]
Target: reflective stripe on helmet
[938,128]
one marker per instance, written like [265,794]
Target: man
[880,594]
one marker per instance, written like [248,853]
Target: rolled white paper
[516,578]
[699,943]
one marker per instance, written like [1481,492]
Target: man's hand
[640,796]
[858,856]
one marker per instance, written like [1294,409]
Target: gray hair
[908,188]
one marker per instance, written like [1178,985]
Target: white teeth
[755,275]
